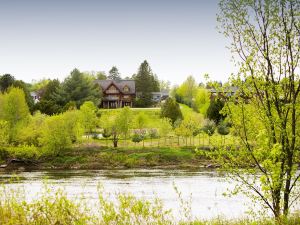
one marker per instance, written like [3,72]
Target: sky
[47,39]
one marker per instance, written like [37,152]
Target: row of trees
[26,135]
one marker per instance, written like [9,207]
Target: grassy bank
[94,157]
[54,207]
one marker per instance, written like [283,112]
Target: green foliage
[24,152]
[7,81]
[4,133]
[170,109]
[187,91]
[78,88]
[114,74]
[51,102]
[74,124]
[124,121]
[32,132]
[223,128]
[14,110]
[264,112]
[165,127]
[89,118]
[214,110]
[56,136]
[201,101]
[136,137]
[145,83]
[209,127]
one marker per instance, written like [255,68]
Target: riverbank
[93,156]
[100,157]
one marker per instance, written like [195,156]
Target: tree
[78,88]
[32,132]
[187,91]
[170,109]
[223,129]
[101,75]
[214,110]
[124,120]
[165,127]
[209,128]
[265,41]
[114,74]
[110,123]
[201,101]
[146,83]
[52,98]
[55,135]
[88,116]
[4,133]
[14,110]
[140,122]
[6,81]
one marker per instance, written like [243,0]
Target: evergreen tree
[51,101]
[78,88]
[114,74]
[6,81]
[170,109]
[213,111]
[145,83]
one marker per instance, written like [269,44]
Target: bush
[170,109]
[24,152]
[136,138]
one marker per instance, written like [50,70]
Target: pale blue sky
[40,38]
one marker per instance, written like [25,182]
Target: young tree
[165,127]
[223,130]
[209,128]
[88,116]
[114,74]
[201,101]
[265,39]
[170,109]
[187,91]
[55,135]
[111,124]
[140,123]
[124,120]
[14,110]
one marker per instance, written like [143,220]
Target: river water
[205,188]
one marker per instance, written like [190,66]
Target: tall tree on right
[265,41]
[145,83]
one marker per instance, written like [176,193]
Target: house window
[112,89]
[126,89]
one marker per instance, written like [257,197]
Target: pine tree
[114,74]
[145,83]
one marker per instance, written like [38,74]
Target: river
[205,188]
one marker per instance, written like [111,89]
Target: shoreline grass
[55,207]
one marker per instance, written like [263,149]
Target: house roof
[120,84]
